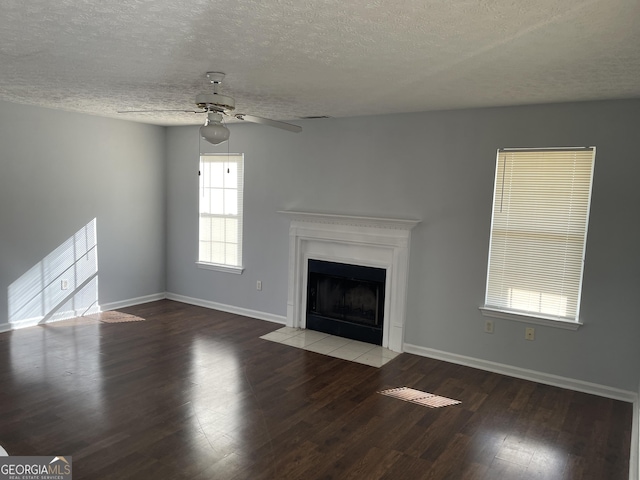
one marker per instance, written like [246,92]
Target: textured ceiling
[286,59]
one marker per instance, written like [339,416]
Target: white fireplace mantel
[369,241]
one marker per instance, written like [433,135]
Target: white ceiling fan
[217,106]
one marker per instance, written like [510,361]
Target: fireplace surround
[366,241]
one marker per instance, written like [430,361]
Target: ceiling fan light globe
[214,133]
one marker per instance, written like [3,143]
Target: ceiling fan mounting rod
[215,102]
[216,80]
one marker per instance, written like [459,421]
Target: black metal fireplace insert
[346,300]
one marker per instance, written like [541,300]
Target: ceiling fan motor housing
[215,102]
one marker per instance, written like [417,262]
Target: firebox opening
[346,300]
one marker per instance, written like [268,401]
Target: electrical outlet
[259,285]
[64,284]
[530,333]
[488,326]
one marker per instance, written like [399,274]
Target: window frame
[534,317]
[223,267]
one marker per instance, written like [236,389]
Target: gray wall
[58,171]
[437,167]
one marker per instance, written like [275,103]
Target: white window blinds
[539,230]
[221,184]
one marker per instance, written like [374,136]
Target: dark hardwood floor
[192,393]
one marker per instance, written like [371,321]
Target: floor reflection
[64,357]
[541,458]
[195,394]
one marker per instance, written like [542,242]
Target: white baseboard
[556,381]
[25,322]
[57,317]
[133,301]
[534,376]
[269,317]
[634,457]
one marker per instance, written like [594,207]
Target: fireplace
[346,300]
[366,241]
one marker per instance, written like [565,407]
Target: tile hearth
[332,346]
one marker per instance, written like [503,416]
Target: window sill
[547,321]
[220,268]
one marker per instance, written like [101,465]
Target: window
[538,234]
[220,238]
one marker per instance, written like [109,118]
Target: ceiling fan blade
[160,111]
[266,121]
